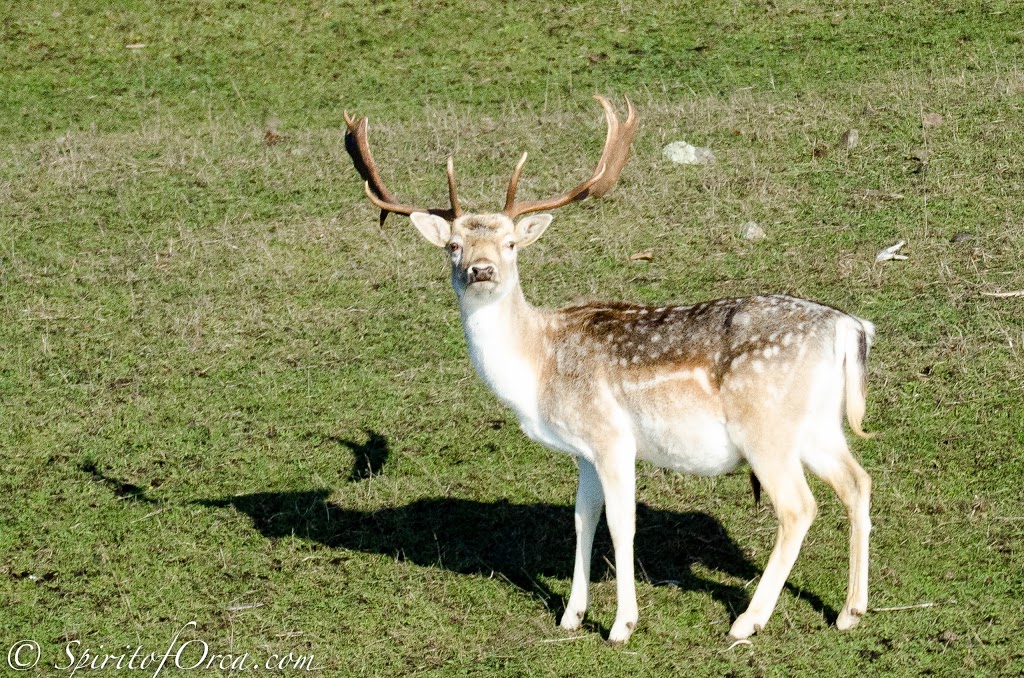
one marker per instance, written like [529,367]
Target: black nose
[480,273]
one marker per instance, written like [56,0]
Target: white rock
[751,231]
[683,153]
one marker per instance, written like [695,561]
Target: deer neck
[506,338]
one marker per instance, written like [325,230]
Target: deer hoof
[847,620]
[572,620]
[744,627]
[621,631]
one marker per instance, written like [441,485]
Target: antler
[359,149]
[613,159]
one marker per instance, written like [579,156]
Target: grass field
[230,398]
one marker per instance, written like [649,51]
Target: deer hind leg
[589,500]
[782,478]
[836,466]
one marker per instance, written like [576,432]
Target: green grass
[223,384]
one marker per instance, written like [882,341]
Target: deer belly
[689,442]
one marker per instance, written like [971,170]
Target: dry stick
[562,640]
[148,515]
[1015,293]
[247,606]
[900,608]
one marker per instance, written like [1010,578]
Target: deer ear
[434,228]
[531,227]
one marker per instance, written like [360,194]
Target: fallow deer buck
[764,380]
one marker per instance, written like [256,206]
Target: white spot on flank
[698,375]
[736,384]
[655,337]
[702,378]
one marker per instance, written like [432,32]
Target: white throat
[497,335]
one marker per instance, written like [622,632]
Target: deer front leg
[618,479]
[589,499]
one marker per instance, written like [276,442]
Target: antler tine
[513,184]
[358,148]
[616,145]
[453,197]
[613,159]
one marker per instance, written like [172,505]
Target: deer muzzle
[481,272]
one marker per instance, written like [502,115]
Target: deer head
[483,247]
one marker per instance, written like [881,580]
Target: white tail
[700,389]
[857,342]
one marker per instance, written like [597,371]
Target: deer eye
[511,244]
[454,247]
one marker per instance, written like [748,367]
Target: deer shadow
[519,543]
[369,457]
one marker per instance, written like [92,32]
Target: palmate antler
[359,149]
[613,159]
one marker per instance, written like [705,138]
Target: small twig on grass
[742,641]
[561,640]
[900,608]
[246,606]
[1003,295]
[543,594]
[643,572]
[148,515]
